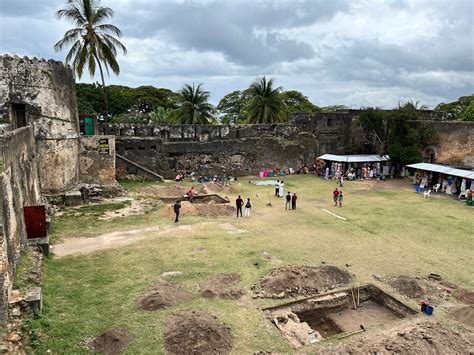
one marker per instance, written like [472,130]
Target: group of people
[290,199]
[239,202]
[338,197]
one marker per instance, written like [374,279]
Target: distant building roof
[443,169]
[364,158]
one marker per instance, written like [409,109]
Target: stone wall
[19,187]
[455,144]
[235,150]
[42,93]
[97,160]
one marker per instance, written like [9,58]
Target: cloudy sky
[355,53]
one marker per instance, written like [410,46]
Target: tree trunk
[104,91]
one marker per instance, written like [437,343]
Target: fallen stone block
[73,198]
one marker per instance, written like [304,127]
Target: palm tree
[194,106]
[266,105]
[92,41]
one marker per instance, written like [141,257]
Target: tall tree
[266,104]
[295,101]
[233,107]
[93,42]
[194,106]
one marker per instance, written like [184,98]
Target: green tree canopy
[194,106]
[461,109]
[233,107]
[295,101]
[266,104]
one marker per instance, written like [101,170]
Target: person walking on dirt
[293,201]
[335,195]
[176,208]
[248,207]
[340,198]
[191,194]
[288,201]
[277,188]
[238,203]
[282,188]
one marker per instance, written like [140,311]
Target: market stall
[358,166]
[442,178]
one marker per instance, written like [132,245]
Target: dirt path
[81,246]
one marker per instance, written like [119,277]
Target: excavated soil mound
[172,191]
[302,280]
[422,338]
[163,296]
[464,315]
[201,209]
[412,287]
[222,286]
[196,332]
[465,296]
[216,188]
[112,341]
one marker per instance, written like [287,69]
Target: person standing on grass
[238,203]
[341,181]
[277,188]
[293,201]
[340,198]
[248,206]
[335,195]
[176,208]
[288,201]
[282,187]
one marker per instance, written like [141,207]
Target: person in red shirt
[335,195]
[293,201]
[238,203]
[191,194]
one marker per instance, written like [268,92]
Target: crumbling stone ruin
[242,150]
[41,154]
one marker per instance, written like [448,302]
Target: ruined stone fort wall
[47,91]
[19,187]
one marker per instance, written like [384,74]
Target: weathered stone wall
[455,143]
[19,187]
[235,150]
[97,160]
[47,91]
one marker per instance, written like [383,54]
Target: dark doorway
[18,115]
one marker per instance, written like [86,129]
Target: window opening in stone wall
[329,123]
[18,115]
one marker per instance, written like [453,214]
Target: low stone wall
[97,160]
[19,187]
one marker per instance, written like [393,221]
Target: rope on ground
[335,215]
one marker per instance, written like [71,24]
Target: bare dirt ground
[223,286]
[301,280]
[163,296]
[112,341]
[196,332]
[136,208]
[409,338]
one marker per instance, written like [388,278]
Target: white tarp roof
[443,169]
[364,158]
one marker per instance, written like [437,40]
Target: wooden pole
[353,297]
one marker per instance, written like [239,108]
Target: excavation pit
[335,314]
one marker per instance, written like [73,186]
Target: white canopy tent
[364,158]
[443,169]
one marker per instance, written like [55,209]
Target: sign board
[104,146]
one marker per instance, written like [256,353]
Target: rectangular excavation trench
[313,319]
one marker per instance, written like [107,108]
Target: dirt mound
[465,296]
[222,286]
[464,315]
[216,188]
[201,209]
[302,280]
[196,332]
[413,287]
[422,338]
[163,296]
[164,191]
[111,341]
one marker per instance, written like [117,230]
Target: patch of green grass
[135,185]
[389,231]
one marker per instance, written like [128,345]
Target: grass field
[389,230]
